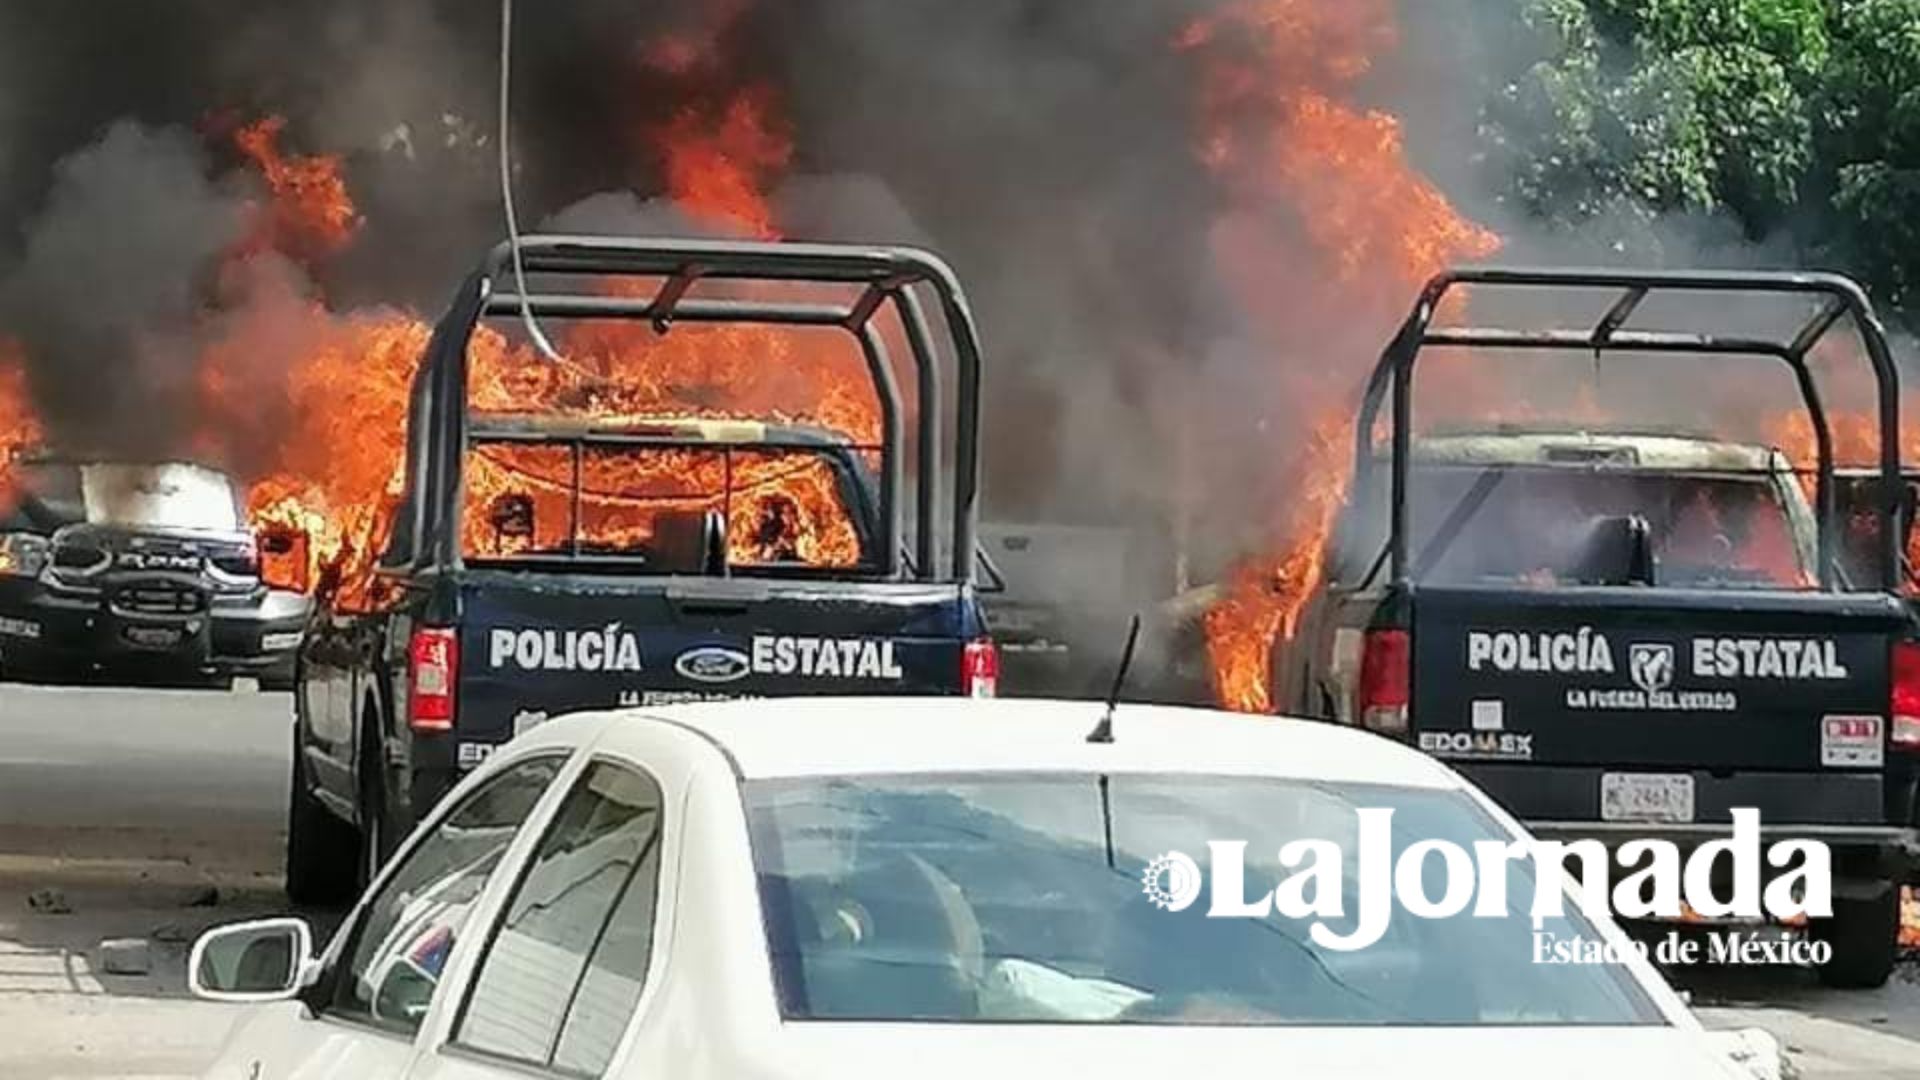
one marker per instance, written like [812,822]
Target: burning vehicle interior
[673,497]
[697,419]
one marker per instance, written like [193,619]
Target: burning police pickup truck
[594,552]
[138,571]
[1622,635]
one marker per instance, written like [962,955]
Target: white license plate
[154,637]
[1851,742]
[1646,797]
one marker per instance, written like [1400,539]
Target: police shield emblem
[1651,666]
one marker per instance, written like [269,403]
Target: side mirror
[263,960]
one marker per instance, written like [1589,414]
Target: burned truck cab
[138,571]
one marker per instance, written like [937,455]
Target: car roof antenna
[1103,731]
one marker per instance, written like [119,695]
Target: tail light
[1384,681]
[1905,724]
[433,663]
[980,669]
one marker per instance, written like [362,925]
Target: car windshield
[993,899]
[1547,526]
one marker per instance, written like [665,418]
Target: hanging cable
[506,185]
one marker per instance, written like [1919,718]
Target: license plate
[154,637]
[1851,742]
[1646,797]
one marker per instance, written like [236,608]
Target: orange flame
[716,168]
[19,429]
[1856,444]
[1265,595]
[311,215]
[336,463]
[1301,168]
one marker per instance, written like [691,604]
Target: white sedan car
[923,887]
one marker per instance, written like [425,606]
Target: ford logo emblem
[712,664]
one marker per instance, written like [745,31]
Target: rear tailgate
[1657,678]
[532,646]
[1552,687]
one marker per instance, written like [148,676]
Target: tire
[375,839]
[321,848]
[1863,934]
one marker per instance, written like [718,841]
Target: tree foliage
[1788,117]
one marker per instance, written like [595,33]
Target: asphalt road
[167,758]
[128,815]
[148,815]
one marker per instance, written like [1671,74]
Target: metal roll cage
[1843,297]
[884,276]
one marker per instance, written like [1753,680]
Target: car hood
[1099,1052]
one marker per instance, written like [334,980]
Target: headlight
[237,563]
[22,554]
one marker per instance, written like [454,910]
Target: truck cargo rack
[1842,298]
[875,278]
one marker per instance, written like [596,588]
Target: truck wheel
[375,841]
[1863,934]
[320,847]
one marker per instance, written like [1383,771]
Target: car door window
[394,959]
[559,981]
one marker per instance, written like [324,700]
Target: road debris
[125,956]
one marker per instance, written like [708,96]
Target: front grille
[159,599]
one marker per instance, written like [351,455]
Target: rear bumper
[1869,850]
[1862,817]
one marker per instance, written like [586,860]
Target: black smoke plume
[1046,147]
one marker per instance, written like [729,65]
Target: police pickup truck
[575,558]
[1622,635]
